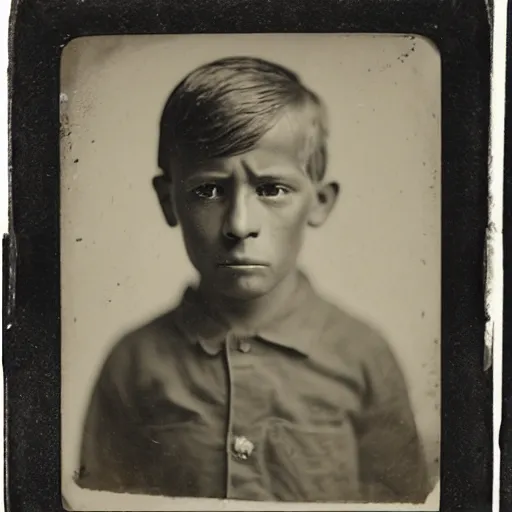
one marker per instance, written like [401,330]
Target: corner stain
[403,56]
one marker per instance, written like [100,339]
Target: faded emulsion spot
[74,319]
[403,56]
[423,314]
[423,261]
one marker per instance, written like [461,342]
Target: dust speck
[76,160]
[79,239]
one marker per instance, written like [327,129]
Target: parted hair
[225,107]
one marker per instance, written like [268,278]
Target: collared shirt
[311,407]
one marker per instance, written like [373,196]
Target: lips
[243,262]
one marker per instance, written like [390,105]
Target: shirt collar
[296,326]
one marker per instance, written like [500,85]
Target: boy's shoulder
[145,342]
[350,335]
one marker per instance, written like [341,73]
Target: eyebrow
[273,173]
[201,177]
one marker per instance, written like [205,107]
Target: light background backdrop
[379,255]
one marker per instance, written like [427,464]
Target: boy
[254,387]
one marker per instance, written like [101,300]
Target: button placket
[243,440]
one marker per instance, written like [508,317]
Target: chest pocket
[312,464]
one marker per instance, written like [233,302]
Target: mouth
[242,263]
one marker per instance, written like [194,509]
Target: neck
[246,315]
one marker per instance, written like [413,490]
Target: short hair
[224,108]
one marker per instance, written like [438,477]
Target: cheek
[288,224]
[201,224]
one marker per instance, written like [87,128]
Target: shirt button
[244,346]
[242,447]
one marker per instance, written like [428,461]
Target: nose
[241,219]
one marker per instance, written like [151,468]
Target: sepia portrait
[251,272]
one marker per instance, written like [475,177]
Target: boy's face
[243,217]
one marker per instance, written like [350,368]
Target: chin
[245,288]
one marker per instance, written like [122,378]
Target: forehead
[281,152]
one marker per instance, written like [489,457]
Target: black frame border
[38,31]
[506,425]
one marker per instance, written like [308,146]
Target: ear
[326,195]
[162,186]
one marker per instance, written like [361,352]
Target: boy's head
[243,154]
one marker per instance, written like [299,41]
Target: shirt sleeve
[111,446]
[392,461]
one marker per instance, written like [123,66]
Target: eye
[209,191]
[272,190]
